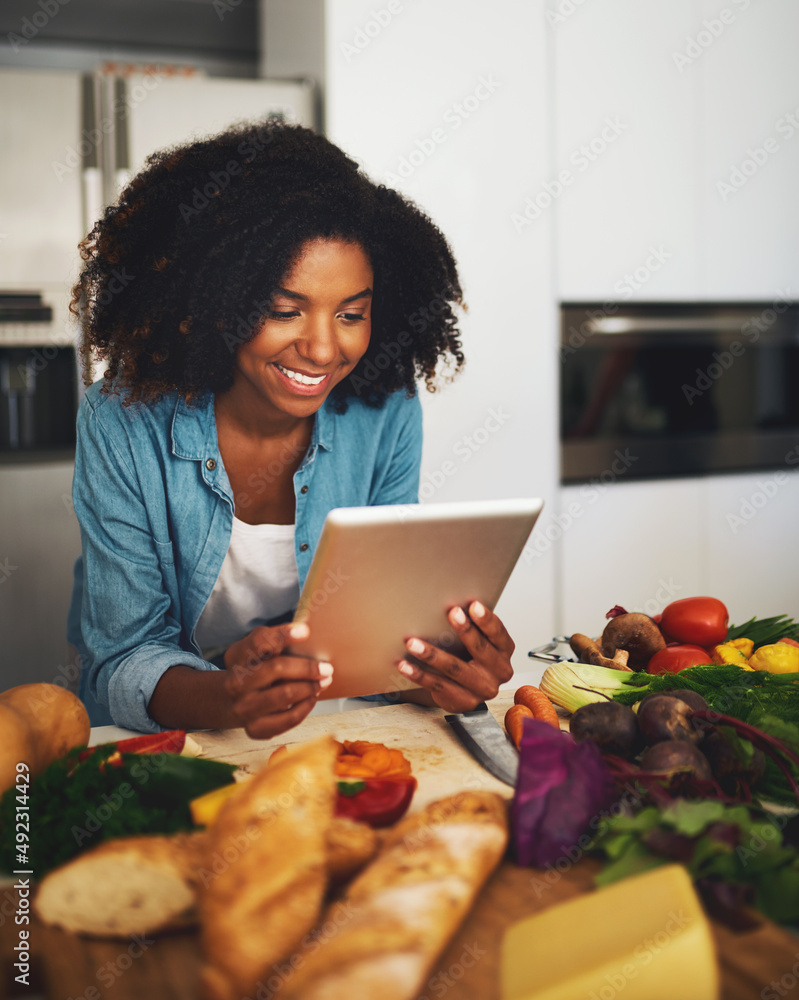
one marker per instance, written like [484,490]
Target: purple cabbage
[562,786]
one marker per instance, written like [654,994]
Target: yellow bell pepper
[205,809]
[778,658]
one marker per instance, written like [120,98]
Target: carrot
[514,722]
[538,703]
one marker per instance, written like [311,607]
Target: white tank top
[257,582]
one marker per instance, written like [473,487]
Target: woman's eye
[353,317]
[276,314]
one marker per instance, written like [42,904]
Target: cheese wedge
[644,938]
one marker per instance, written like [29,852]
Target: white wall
[447,101]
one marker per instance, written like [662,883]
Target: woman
[264,311]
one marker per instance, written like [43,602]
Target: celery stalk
[572,685]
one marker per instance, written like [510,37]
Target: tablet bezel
[442,554]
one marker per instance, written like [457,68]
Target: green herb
[76,804]
[720,845]
[748,695]
[351,787]
[765,631]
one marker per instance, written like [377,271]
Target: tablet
[382,574]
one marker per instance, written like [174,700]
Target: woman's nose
[319,343]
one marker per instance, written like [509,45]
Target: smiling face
[316,332]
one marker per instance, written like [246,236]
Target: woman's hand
[271,690]
[460,685]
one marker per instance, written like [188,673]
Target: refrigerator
[71,141]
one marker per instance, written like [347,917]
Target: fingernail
[326,669]
[414,646]
[477,609]
[457,616]
[299,631]
[325,682]
[405,668]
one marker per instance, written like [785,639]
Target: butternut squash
[39,723]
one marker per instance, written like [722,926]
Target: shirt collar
[194,429]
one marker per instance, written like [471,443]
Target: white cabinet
[626,226]
[696,197]
[646,543]
[749,152]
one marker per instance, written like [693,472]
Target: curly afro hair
[179,273]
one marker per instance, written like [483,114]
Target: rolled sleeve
[129,685]
[130,627]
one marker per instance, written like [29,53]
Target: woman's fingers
[489,627]
[262,727]
[459,685]
[263,643]
[272,691]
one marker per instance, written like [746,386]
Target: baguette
[265,875]
[381,939]
[133,885]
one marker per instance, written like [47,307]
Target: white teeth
[302,379]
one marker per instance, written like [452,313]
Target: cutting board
[66,967]
[439,761]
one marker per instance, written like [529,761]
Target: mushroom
[589,652]
[636,633]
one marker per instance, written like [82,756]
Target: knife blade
[486,741]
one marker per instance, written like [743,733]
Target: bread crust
[383,936]
[133,885]
[265,874]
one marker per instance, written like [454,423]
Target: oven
[678,389]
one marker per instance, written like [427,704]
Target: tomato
[701,621]
[677,657]
[377,801]
[789,642]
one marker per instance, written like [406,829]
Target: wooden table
[166,968]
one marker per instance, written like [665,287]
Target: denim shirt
[155,508]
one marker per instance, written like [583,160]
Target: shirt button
[304,547]
[304,489]
[210,464]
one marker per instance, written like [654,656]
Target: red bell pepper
[377,801]
[171,741]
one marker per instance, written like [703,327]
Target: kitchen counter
[166,967]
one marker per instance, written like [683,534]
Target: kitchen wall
[448,102]
[479,112]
